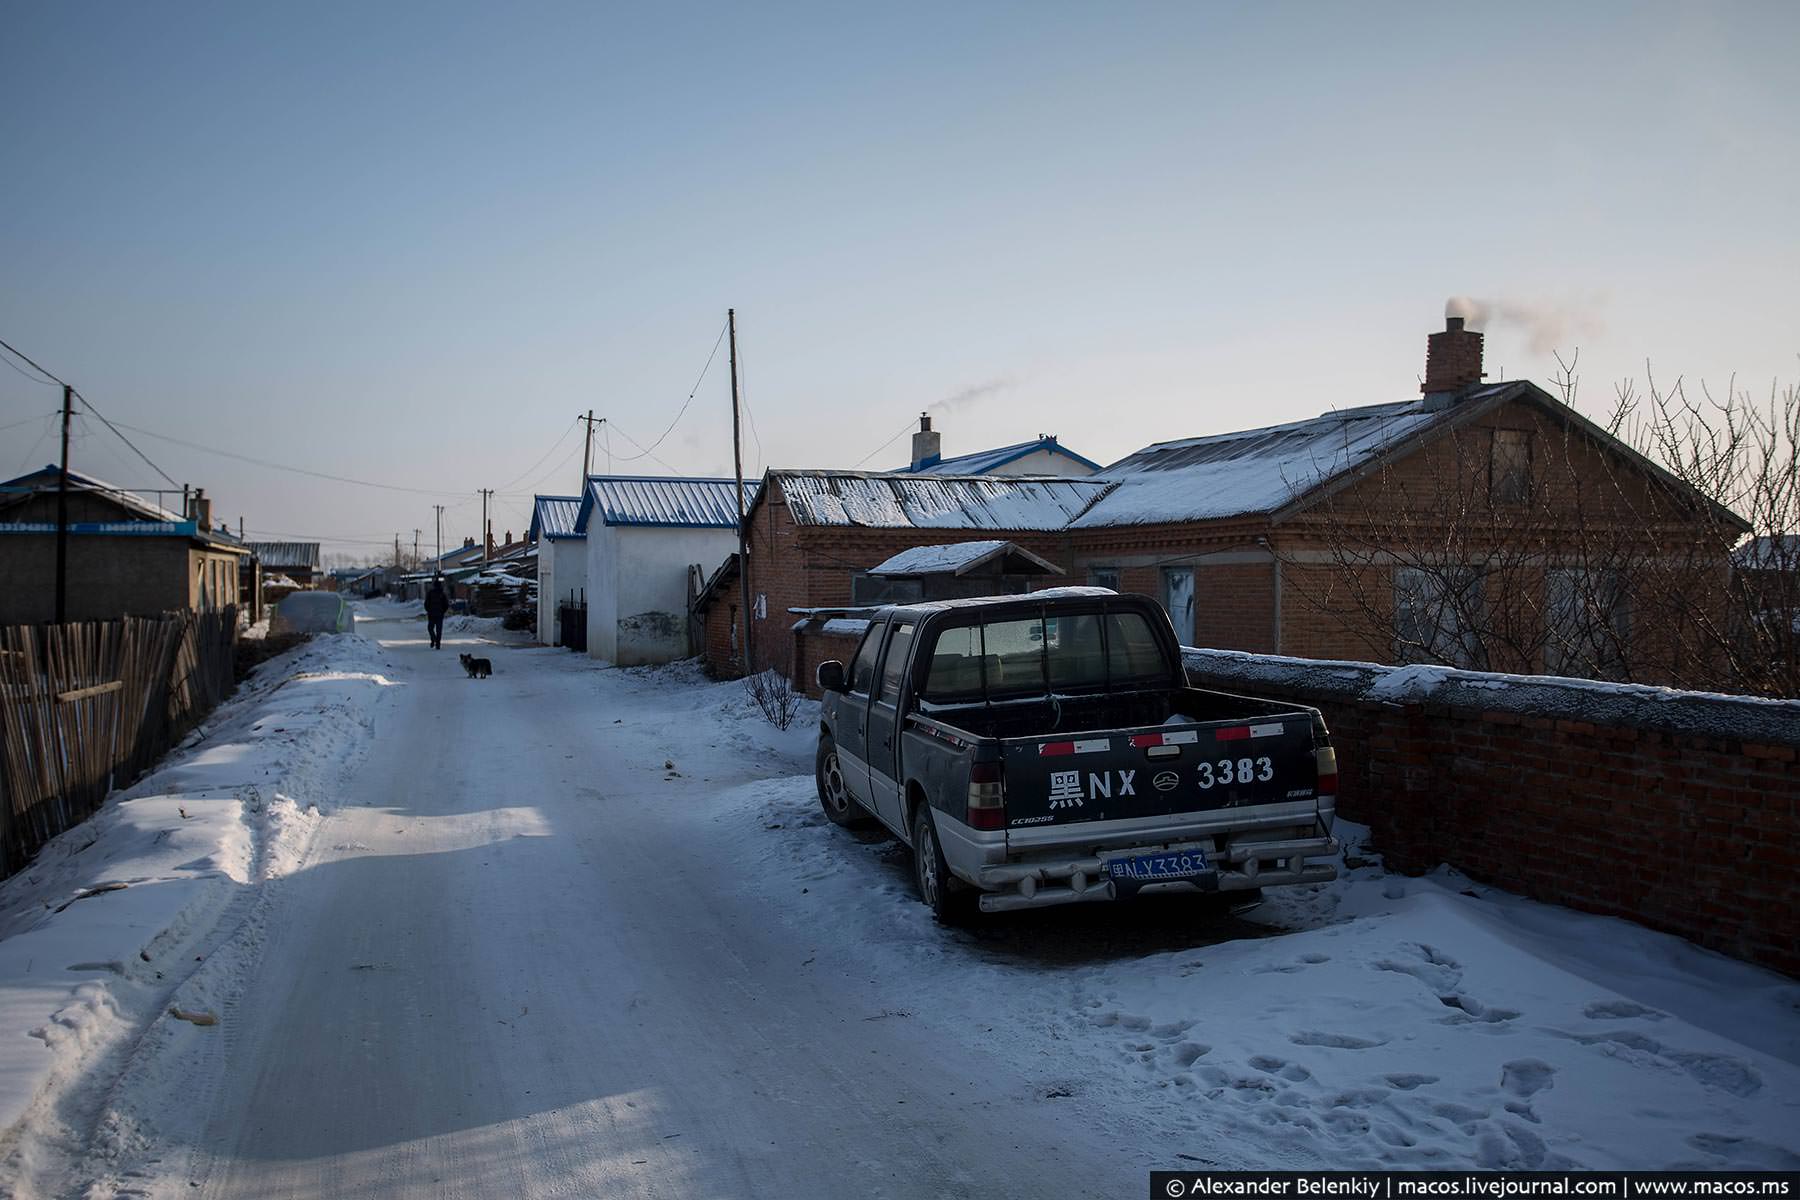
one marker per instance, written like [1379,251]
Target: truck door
[853,708]
[884,719]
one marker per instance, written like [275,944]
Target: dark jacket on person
[437,602]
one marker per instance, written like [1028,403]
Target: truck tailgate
[1120,774]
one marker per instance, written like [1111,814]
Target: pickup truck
[1047,749]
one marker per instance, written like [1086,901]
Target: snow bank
[1635,705]
[123,918]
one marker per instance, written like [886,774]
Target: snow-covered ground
[574,930]
[1379,1021]
[155,904]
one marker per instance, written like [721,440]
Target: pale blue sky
[409,244]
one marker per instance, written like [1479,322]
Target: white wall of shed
[602,591]
[1044,462]
[651,590]
[562,569]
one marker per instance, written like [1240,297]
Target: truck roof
[925,607]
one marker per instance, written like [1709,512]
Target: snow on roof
[286,554]
[1770,552]
[959,559]
[555,516]
[660,500]
[939,560]
[981,462]
[45,479]
[1259,470]
[934,501]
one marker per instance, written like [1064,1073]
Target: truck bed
[1154,752]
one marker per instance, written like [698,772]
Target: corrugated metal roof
[286,554]
[554,516]
[934,501]
[981,462]
[660,500]
[1258,470]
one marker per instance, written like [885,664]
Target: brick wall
[1676,810]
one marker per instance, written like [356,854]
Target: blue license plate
[1146,868]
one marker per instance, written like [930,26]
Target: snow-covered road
[512,966]
[574,931]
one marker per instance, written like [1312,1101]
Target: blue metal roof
[554,517]
[984,461]
[659,500]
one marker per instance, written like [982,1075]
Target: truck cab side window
[899,648]
[862,670]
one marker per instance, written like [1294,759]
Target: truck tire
[840,806]
[950,900]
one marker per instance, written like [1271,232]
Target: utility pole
[487,534]
[737,458]
[438,566]
[587,449]
[396,552]
[415,557]
[62,512]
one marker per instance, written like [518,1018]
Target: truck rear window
[1031,656]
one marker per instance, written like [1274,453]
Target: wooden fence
[88,707]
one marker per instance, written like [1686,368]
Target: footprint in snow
[1619,1010]
[1526,1077]
[1336,1041]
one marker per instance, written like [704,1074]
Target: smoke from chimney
[1547,327]
[970,396]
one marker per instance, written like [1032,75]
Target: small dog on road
[478,668]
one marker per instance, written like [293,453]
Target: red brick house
[1480,525]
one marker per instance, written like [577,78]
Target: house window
[1106,577]
[1437,615]
[1178,600]
[1509,471]
[1587,623]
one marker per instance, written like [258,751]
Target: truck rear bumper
[1245,864]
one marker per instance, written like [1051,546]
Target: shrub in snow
[774,697]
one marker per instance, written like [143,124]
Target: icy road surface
[513,966]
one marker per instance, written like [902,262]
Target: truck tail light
[987,798]
[1326,758]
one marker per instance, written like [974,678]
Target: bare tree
[1551,549]
[1744,455]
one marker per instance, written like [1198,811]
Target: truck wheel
[948,898]
[840,806]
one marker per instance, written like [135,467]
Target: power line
[632,458]
[679,415]
[126,440]
[275,466]
[540,462]
[15,366]
[744,395]
[27,420]
[553,471]
[90,407]
[27,361]
[904,430]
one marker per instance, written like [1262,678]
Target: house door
[1178,599]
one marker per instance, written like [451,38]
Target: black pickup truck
[1046,749]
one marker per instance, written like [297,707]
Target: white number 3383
[1236,770]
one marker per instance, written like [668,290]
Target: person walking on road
[437,603]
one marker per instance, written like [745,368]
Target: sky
[408,244]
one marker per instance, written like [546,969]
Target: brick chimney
[200,510]
[927,446]
[1452,359]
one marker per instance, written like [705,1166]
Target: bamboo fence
[88,707]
